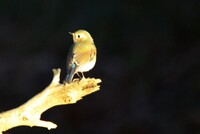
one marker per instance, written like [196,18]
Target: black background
[148,60]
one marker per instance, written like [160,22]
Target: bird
[81,56]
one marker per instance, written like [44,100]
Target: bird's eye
[78,36]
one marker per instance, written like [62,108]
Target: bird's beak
[71,33]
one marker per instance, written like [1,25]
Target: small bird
[82,55]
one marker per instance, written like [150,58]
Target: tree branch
[55,94]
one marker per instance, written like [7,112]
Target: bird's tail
[69,76]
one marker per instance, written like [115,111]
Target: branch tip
[46,124]
[56,76]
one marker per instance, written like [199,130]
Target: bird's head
[81,36]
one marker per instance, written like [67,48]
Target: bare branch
[55,94]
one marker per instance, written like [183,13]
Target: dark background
[148,60]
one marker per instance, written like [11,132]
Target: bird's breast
[87,66]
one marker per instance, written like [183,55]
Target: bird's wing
[84,57]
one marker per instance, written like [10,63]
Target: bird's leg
[83,77]
[78,75]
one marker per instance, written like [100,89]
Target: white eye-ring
[78,36]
